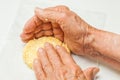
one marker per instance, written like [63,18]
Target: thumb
[49,15]
[91,72]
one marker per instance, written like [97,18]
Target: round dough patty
[31,48]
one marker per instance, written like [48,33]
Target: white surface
[8,10]
[12,67]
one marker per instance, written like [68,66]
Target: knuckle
[62,7]
[57,31]
[26,36]
[61,71]
[64,15]
[30,26]
[62,18]
[48,33]
[38,35]
[37,21]
[77,71]
[46,26]
[47,67]
[38,29]
[65,7]
[76,68]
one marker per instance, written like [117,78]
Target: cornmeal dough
[31,48]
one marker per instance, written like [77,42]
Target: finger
[55,25]
[26,40]
[37,21]
[58,8]
[38,29]
[48,33]
[91,72]
[50,15]
[61,8]
[26,36]
[31,24]
[40,75]
[65,56]
[44,33]
[39,34]
[60,37]
[53,56]
[47,26]
[42,56]
[57,31]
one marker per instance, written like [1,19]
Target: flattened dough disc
[31,48]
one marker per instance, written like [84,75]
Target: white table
[9,8]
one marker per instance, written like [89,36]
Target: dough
[31,48]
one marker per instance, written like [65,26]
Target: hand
[36,28]
[65,25]
[56,64]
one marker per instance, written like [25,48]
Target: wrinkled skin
[56,64]
[66,26]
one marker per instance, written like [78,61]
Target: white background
[9,9]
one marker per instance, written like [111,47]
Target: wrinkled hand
[59,22]
[56,64]
[36,28]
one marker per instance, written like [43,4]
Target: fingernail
[57,46]
[40,50]
[96,70]
[35,61]
[47,44]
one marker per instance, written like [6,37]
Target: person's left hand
[57,64]
[36,28]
